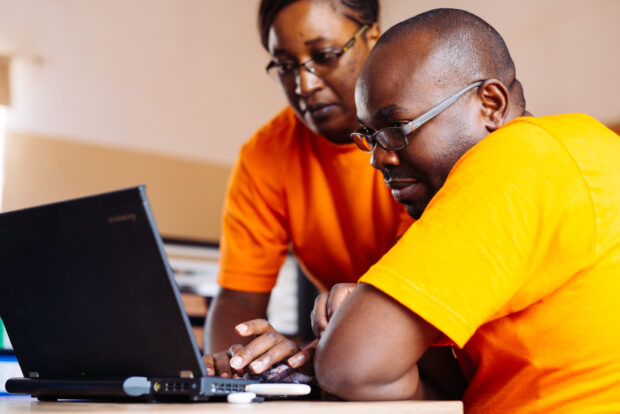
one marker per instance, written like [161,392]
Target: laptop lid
[86,291]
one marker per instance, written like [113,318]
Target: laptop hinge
[33,374]
[186,374]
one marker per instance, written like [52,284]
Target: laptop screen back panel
[86,291]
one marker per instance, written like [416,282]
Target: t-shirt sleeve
[404,223]
[254,232]
[505,219]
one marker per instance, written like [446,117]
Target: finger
[222,364]
[275,354]
[318,317]
[254,327]
[337,295]
[209,364]
[255,349]
[237,373]
[304,356]
[234,349]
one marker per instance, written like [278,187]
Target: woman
[300,181]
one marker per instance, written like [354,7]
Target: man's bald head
[458,48]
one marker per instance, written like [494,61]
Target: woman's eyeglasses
[321,61]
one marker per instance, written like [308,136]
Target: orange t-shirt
[517,260]
[291,187]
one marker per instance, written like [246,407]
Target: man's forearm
[371,348]
[374,388]
[227,310]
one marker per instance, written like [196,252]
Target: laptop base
[164,389]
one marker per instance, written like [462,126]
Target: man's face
[391,92]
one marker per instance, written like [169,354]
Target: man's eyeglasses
[320,62]
[395,138]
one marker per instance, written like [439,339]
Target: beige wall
[112,93]
[185,195]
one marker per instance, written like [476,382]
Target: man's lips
[403,189]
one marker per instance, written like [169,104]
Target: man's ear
[372,35]
[495,103]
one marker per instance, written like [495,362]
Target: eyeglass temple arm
[437,109]
[352,41]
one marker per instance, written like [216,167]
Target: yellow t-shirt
[293,187]
[517,260]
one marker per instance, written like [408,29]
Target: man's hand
[266,349]
[326,304]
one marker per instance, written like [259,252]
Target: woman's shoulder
[279,139]
[282,131]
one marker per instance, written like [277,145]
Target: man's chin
[416,206]
[414,211]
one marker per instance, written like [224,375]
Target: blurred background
[104,94]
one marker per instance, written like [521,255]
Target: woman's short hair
[360,11]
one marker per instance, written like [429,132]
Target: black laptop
[91,306]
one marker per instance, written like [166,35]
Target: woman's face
[323,101]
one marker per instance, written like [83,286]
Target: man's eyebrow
[388,111]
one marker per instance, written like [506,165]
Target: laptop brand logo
[122,217]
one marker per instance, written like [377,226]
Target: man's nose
[381,158]
[306,82]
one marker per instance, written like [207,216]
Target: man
[515,258]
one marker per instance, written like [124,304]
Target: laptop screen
[86,291]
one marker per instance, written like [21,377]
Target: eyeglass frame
[348,45]
[412,125]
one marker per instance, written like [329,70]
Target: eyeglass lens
[391,139]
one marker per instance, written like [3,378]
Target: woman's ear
[495,103]
[372,35]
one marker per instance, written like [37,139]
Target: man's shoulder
[525,141]
[529,134]
[557,120]
[562,126]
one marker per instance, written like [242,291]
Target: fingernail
[257,365]
[210,372]
[235,362]
[241,328]
[296,360]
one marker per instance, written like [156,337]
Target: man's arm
[229,308]
[371,347]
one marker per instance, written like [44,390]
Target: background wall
[112,93]
[186,195]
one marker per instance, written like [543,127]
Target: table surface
[18,404]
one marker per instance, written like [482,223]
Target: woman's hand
[268,348]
